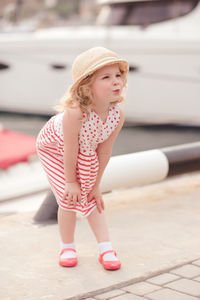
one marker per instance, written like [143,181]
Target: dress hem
[79,212]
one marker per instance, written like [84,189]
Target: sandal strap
[109,251]
[67,249]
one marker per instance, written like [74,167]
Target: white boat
[160,39]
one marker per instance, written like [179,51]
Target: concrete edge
[128,282]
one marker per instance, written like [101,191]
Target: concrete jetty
[154,229]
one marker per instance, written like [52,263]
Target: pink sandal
[67,262]
[109,265]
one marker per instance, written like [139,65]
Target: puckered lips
[116,91]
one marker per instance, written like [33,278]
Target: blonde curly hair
[81,95]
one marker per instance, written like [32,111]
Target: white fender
[133,169]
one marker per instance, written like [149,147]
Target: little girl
[75,146]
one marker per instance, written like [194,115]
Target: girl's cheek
[106,85]
[121,82]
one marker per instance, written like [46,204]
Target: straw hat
[93,59]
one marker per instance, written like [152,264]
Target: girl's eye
[105,77]
[118,75]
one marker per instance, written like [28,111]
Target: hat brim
[123,64]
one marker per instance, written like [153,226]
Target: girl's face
[107,84]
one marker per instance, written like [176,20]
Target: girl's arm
[104,150]
[71,125]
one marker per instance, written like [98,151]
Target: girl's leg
[98,225]
[66,223]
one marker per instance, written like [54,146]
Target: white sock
[105,246]
[68,254]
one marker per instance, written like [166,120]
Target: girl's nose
[116,80]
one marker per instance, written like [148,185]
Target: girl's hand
[73,191]
[96,193]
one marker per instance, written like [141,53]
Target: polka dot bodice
[95,131]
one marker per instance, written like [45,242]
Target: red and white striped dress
[50,149]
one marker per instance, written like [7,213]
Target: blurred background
[40,39]
[160,39]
